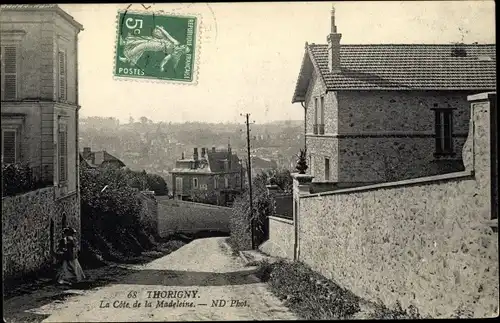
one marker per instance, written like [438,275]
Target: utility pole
[252,220]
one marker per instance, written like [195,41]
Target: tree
[302,162]
[157,184]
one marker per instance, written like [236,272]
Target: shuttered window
[9,72]
[178,184]
[63,152]
[444,131]
[9,146]
[62,76]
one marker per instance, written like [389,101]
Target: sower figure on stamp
[70,270]
[160,41]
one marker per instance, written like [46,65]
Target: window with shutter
[321,122]
[9,145]
[9,72]
[178,184]
[63,153]
[327,169]
[443,126]
[62,76]
[315,125]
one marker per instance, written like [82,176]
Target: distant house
[100,158]
[260,164]
[214,177]
[385,112]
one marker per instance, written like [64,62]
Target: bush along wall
[240,222]
[110,215]
[312,296]
[19,179]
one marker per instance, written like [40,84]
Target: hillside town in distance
[357,180]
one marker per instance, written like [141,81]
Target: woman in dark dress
[70,271]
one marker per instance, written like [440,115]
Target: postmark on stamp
[157,46]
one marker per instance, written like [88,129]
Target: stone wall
[401,144]
[427,241]
[362,146]
[281,238]
[321,146]
[182,216]
[148,213]
[26,229]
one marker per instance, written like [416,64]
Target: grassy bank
[313,297]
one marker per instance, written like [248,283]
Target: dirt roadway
[194,278]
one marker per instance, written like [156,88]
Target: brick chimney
[213,149]
[86,152]
[333,46]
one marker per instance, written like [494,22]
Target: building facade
[215,177]
[377,113]
[39,94]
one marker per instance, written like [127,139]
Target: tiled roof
[51,7]
[215,157]
[100,157]
[29,6]
[205,170]
[403,67]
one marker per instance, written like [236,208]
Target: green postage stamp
[159,46]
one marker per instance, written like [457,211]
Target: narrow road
[200,281]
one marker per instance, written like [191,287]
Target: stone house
[100,158]
[386,112]
[39,96]
[215,177]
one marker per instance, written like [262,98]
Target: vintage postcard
[258,161]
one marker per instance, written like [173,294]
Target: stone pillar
[480,151]
[301,183]
[301,186]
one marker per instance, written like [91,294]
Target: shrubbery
[110,207]
[311,296]
[240,224]
[307,293]
[18,179]
[144,181]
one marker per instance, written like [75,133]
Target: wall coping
[4,198]
[197,204]
[275,218]
[414,181]
[482,96]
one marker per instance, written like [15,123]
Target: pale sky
[250,53]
